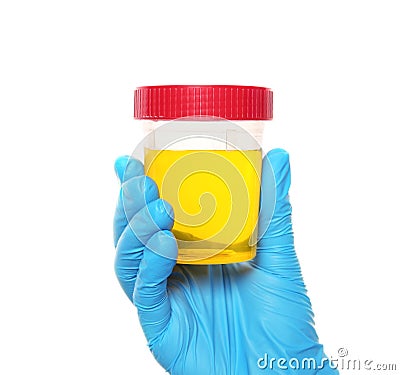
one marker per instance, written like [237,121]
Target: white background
[67,75]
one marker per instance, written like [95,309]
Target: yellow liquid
[215,195]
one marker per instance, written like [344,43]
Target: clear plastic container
[202,147]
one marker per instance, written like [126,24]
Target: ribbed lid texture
[225,101]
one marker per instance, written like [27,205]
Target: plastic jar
[203,149]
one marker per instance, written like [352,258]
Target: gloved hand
[217,319]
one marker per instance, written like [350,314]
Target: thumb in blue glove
[219,319]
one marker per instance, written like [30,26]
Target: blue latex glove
[218,319]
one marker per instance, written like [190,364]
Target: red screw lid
[226,101]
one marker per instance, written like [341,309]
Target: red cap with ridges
[225,101]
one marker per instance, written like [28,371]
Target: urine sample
[203,150]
